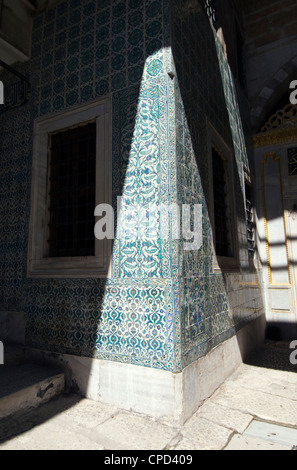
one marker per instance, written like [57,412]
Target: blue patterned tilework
[83,50]
[211,310]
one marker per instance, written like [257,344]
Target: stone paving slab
[266,406]
[73,423]
[277,382]
[231,419]
[127,431]
[201,434]
[245,443]
[272,433]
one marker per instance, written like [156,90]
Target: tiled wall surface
[83,50]
[160,307]
[86,49]
[213,306]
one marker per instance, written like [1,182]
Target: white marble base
[160,394]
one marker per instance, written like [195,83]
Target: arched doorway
[276,175]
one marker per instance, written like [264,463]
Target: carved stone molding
[281,128]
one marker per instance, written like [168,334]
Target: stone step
[27,386]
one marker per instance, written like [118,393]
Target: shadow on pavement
[273,355]
[22,422]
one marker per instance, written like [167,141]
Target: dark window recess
[222,235]
[250,220]
[72,192]
[241,67]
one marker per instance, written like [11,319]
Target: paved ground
[234,418]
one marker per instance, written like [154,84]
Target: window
[240,59]
[72,192]
[250,220]
[71,176]
[222,215]
[221,222]
[231,34]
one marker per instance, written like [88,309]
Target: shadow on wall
[206,98]
[275,353]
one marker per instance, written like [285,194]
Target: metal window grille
[72,192]
[220,205]
[250,220]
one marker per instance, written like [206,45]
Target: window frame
[249,182]
[223,263]
[39,264]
